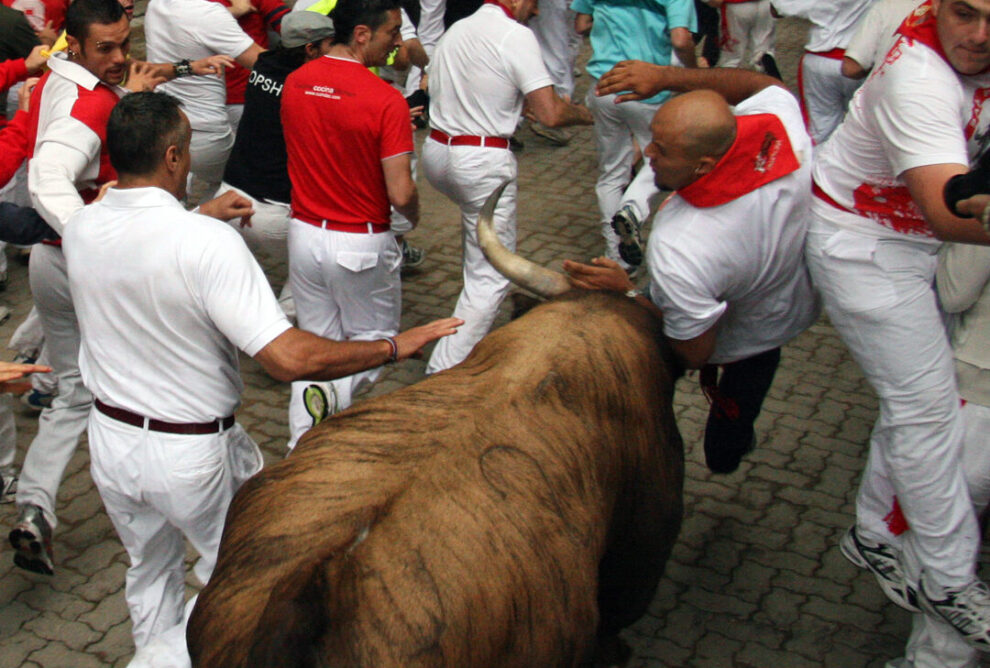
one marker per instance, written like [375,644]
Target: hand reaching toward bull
[410,342]
[601,274]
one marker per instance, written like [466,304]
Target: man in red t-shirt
[349,142]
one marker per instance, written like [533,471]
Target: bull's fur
[497,514]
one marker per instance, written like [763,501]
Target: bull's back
[460,521]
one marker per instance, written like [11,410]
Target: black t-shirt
[257,163]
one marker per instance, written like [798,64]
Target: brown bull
[501,513]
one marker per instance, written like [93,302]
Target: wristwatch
[182,69]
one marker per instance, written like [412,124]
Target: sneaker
[626,225]
[321,401]
[965,608]
[411,256]
[36,401]
[552,135]
[8,487]
[883,561]
[32,538]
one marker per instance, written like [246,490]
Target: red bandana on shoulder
[760,154]
[920,26]
[508,12]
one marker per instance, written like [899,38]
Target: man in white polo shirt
[484,67]
[164,298]
[177,31]
[725,253]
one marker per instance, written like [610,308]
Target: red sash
[760,154]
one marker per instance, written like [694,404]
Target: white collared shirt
[164,298]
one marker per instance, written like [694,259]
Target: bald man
[725,255]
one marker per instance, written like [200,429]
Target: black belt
[135,420]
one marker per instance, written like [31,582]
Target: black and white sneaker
[626,224]
[32,538]
[884,562]
[965,608]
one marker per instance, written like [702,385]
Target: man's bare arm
[545,106]
[851,69]
[401,188]
[637,80]
[296,354]
[682,41]
[925,185]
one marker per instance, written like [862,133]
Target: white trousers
[553,27]
[60,425]
[879,296]
[615,126]
[468,175]
[210,151]
[268,234]
[933,643]
[158,488]
[747,31]
[825,94]
[346,287]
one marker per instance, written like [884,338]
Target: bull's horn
[524,273]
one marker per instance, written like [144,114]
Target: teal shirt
[634,30]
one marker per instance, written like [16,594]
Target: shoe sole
[630,247]
[853,555]
[30,554]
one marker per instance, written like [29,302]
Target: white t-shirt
[482,68]
[164,299]
[875,31]
[913,111]
[740,264]
[190,30]
[832,23]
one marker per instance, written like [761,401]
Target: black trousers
[736,401]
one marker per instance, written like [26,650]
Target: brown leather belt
[468,140]
[135,420]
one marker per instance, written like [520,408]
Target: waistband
[135,420]
[468,140]
[817,191]
[353,228]
[834,54]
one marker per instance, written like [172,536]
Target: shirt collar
[137,198]
[60,64]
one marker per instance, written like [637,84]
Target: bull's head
[524,273]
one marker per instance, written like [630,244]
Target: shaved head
[702,120]
[691,132]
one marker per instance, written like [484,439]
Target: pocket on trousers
[357,261]
[858,284]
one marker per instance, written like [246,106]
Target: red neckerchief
[920,26]
[508,12]
[760,154]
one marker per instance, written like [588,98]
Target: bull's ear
[293,620]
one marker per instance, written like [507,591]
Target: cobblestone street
[756,578]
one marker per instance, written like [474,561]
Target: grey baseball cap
[303,27]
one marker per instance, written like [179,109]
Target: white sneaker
[965,608]
[884,562]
